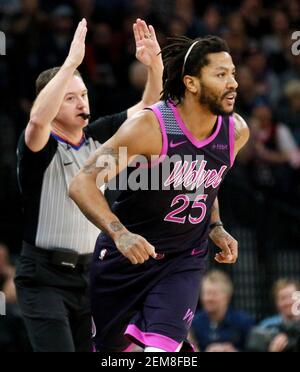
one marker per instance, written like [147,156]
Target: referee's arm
[49,100]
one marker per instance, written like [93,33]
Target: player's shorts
[152,304]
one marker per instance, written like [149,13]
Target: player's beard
[213,101]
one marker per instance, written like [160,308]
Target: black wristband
[216,224]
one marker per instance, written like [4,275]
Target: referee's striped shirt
[51,219]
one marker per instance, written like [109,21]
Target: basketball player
[51,279]
[149,260]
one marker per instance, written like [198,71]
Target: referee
[52,276]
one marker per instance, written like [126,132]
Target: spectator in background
[101,49]
[254,16]
[13,336]
[273,44]
[284,328]
[293,71]
[85,9]
[282,294]
[266,82]
[212,20]
[137,79]
[26,27]
[293,11]
[273,141]
[235,35]
[272,153]
[219,328]
[178,26]
[185,9]
[55,46]
[247,92]
[141,7]
[274,40]
[289,111]
[7,272]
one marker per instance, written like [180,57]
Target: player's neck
[72,135]
[193,114]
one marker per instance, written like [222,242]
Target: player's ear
[191,83]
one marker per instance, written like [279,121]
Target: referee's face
[75,104]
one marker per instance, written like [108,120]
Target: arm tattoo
[218,233]
[126,241]
[107,155]
[116,226]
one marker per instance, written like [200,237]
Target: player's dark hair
[47,75]
[180,60]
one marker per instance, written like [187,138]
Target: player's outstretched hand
[135,248]
[147,46]
[226,243]
[77,49]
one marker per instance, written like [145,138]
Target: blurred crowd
[219,327]
[13,336]
[259,33]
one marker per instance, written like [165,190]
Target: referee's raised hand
[77,49]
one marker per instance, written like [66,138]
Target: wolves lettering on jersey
[190,175]
[175,216]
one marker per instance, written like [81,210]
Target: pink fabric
[151,339]
[231,140]
[188,134]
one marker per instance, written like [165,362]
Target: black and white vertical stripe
[61,224]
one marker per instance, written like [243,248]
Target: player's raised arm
[49,100]
[109,160]
[148,53]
